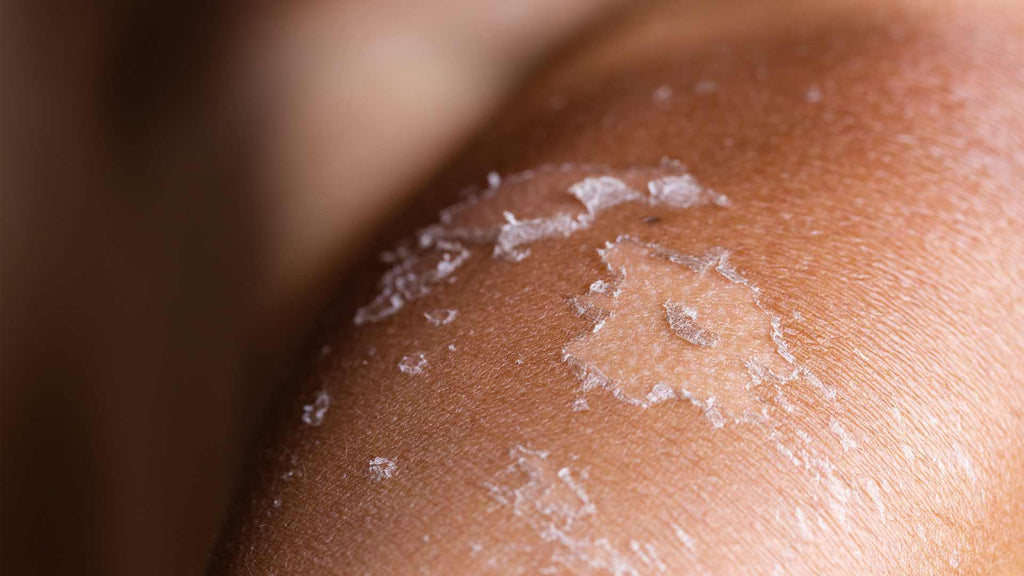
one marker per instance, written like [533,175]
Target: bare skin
[871,158]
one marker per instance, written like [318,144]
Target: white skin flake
[682,192]
[662,95]
[845,439]
[553,502]
[493,180]
[413,276]
[382,468]
[685,538]
[954,559]
[441,249]
[802,526]
[726,332]
[514,233]
[698,334]
[313,414]
[875,493]
[676,191]
[660,393]
[908,452]
[598,194]
[813,94]
[648,554]
[962,460]
[683,321]
[441,317]
[413,365]
[839,495]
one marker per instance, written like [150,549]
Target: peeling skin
[441,317]
[313,414]
[552,501]
[696,329]
[683,321]
[903,302]
[504,215]
[382,468]
[413,365]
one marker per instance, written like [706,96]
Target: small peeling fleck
[493,180]
[313,414]
[662,95]
[683,321]
[875,493]
[552,501]
[514,233]
[813,94]
[802,526]
[684,537]
[954,559]
[908,452]
[660,393]
[441,317]
[845,439]
[683,191]
[603,192]
[413,365]
[382,468]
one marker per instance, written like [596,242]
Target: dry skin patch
[549,201]
[674,326]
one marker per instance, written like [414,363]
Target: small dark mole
[651,220]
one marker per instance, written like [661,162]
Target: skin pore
[869,159]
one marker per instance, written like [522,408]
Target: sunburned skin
[833,259]
[552,501]
[505,215]
[697,330]
[727,354]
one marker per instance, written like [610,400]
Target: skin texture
[872,158]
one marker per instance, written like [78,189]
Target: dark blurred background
[183,186]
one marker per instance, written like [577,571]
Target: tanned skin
[873,161]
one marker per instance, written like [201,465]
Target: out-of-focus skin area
[185,187]
[872,160]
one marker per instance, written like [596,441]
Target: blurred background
[183,186]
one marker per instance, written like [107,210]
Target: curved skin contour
[872,161]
